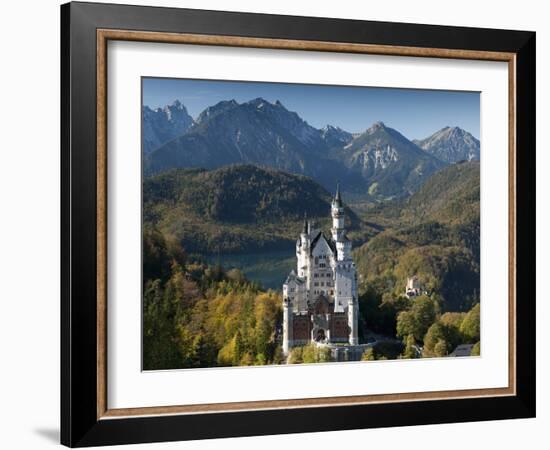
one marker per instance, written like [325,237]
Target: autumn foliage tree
[410,351]
[470,327]
[418,318]
[199,316]
[309,354]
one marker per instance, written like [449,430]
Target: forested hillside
[235,209]
[433,235]
[200,316]
[197,315]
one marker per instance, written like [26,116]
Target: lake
[270,269]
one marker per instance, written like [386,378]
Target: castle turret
[305,230]
[343,248]
[287,325]
[337,213]
[302,249]
[353,316]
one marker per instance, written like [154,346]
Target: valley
[266,268]
[225,197]
[245,216]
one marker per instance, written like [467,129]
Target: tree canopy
[200,316]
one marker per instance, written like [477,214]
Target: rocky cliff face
[380,162]
[335,136]
[163,124]
[389,163]
[256,132]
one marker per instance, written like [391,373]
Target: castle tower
[302,249]
[305,229]
[287,325]
[320,301]
[337,213]
[353,316]
[343,249]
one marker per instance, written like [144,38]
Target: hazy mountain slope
[450,196]
[335,136]
[255,132]
[163,124]
[379,163]
[451,144]
[389,163]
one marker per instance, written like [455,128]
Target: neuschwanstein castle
[320,298]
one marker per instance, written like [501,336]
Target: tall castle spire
[337,197]
[337,213]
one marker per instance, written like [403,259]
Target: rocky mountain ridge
[379,163]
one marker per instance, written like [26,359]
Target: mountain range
[379,163]
[389,163]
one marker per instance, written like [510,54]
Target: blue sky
[416,113]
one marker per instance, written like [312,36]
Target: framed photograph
[276,224]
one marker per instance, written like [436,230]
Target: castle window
[322,283]
[316,283]
[315,275]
